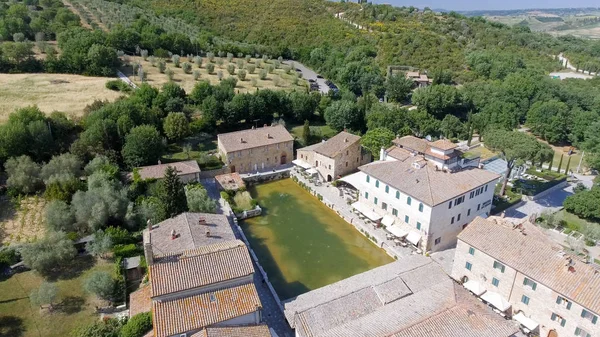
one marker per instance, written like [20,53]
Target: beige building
[256,149]
[335,157]
[411,297]
[187,171]
[421,80]
[201,280]
[517,267]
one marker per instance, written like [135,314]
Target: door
[232,168]
[283,159]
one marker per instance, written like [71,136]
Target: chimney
[252,127]
[241,140]
[173,235]
[502,215]
[159,162]
[148,254]
[202,221]
[382,154]
[207,233]
[345,140]
[149,224]
[268,136]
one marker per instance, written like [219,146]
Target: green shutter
[563,322]
[503,268]
[558,300]
[553,317]
[577,331]
[533,286]
[525,281]
[569,306]
[583,312]
[595,319]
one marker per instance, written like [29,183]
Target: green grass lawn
[20,318]
[202,146]
[479,151]
[243,200]
[574,222]
[318,132]
[510,198]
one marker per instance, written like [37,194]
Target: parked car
[319,76]
[328,82]
[298,70]
[311,80]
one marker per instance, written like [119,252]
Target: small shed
[82,242]
[133,269]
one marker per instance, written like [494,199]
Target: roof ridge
[185,215]
[253,129]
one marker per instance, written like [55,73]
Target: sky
[465,5]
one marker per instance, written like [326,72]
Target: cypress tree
[560,163]
[568,164]
[172,194]
[306,133]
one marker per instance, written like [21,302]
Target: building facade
[540,281]
[256,149]
[187,171]
[335,157]
[425,191]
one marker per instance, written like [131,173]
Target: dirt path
[92,17]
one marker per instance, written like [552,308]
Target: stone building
[549,291]
[187,171]
[336,157]
[421,189]
[256,149]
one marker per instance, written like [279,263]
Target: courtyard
[302,244]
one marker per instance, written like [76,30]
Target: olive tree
[59,217]
[101,284]
[198,61]
[176,59]
[176,126]
[198,199]
[23,174]
[210,68]
[49,253]
[231,69]
[60,168]
[44,295]
[241,74]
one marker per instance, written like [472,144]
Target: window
[421,207]
[397,194]
[458,217]
[406,218]
[563,301]
[418,225]
[525,300]
[367,195]
[383,206]
[347,152]
[530,283]
[468,212]
[376,183]
[471,250]
[478,206]
[387,189]
[330,167]
[589,316]
[472,194]
[375,201]
[346,164]
[477,192]
[408,201]
[437,241]
[559,319]
[486,187]
[394,212]
[495,282]
[452,220]
[368,178]
[499,266]
[468,266]
[582,333]
[450,205]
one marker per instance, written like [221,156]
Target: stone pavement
[333,200]
[271,313]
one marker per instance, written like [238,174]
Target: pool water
[302,244]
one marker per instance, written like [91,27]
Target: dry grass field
[23,224]
[187,82]
[50,92]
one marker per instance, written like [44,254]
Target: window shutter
[553,317]
[569,306]
[525,281]
[558,300]
[534,285]
[503,268]
[563,322]
[583,312]
[595,319]
[577,331]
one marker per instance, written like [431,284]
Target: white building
[421,189]
[548,291]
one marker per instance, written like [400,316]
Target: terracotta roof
[190,234]
[535,256]
[199,268]
[411,297]
[428,152]
[199,311]
[337,144]
[412,143]
[158,171]
[230,181]
[426,181]
[261,330]
[251,138]
[443,144]
[139,301]
[398,153]
[412,74]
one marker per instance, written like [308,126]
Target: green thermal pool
[302,244]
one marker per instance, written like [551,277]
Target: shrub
[101,284]
[137,326]
[241,74]
[251,68]
[262,74]
[152,61]
[198,61]
[210,68]
[170,74]
[196,75]
[8,257]
[162,66]
[240,63]
[229,57]
[176,59]
[210,56]
[254,82]
[124,251]
[276,80]
[231,69]
[144,54]
[117,85]
[187,68]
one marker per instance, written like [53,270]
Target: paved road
[309,74]
[571,66]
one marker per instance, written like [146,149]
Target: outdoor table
[397,242]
